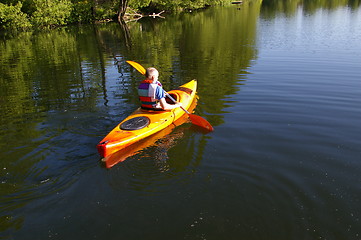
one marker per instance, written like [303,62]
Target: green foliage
[106,10]
[82,12]
[51,12]
[12,18]
[22,14]
[138,4]
[174,5]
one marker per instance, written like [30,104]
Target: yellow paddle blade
[137,66]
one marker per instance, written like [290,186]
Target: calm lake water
[279,81]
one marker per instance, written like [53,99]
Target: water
[280,84]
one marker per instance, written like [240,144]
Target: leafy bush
[50,13]
[138,4]
[42,13]
[82,12]
[12,18]
[106,10]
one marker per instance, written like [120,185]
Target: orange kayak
[143,123]
[127,152]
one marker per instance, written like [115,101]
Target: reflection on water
[278,80]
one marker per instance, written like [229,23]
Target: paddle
[195,119]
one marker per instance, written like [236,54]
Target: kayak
[165,134]
[144,123]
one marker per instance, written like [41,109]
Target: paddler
[151,93]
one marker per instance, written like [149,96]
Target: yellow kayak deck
[143,123]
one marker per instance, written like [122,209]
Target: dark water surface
[280,82]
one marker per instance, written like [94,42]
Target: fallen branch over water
[132,15]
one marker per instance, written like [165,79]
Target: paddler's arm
[166,106]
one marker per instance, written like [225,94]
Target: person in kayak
[151,93]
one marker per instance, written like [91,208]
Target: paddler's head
[152,74]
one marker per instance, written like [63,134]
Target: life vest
[147,94]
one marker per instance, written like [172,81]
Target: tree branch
[132,15]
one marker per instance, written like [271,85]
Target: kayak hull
[143,123]
[124,153]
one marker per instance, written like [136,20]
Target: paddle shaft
[195,119]
[171,98]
